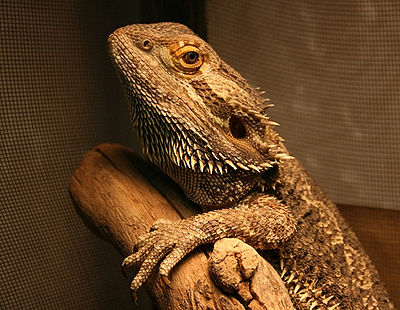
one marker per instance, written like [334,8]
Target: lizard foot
[261,221]
[167,244]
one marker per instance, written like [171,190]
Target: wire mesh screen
[53,109]
[331,68]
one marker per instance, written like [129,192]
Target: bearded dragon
[200,121]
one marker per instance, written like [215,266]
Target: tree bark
[122,195]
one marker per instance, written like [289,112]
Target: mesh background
[55,105]
[331,68]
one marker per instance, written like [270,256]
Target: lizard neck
[213,191]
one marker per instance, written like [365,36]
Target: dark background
[331,68]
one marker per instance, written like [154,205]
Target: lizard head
[190,109]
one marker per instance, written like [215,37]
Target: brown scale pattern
[250,185]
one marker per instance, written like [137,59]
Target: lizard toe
[136,257]
[149,264]
[145,239]
[171,260]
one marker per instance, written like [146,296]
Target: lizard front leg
[259,220]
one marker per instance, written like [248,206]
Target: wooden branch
[111,188]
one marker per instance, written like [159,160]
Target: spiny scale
[181,150]
[307,293]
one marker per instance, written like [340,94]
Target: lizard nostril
[146,44]
[237,127]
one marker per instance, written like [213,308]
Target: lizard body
[203,125]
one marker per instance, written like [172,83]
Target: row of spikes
[150,117]
[183,151]
[182,154]
[257,115]
[263,185]
[307,292]
[264,103]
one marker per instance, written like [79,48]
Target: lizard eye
[191,57]
[187,59]
[237,127]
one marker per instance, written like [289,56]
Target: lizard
[201,123]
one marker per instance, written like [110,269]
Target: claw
[134,297]
[124,271]
[166,280]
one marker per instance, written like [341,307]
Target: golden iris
[188,59]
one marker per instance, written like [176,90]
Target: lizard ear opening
[237,127]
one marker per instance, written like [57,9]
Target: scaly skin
[203,125]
